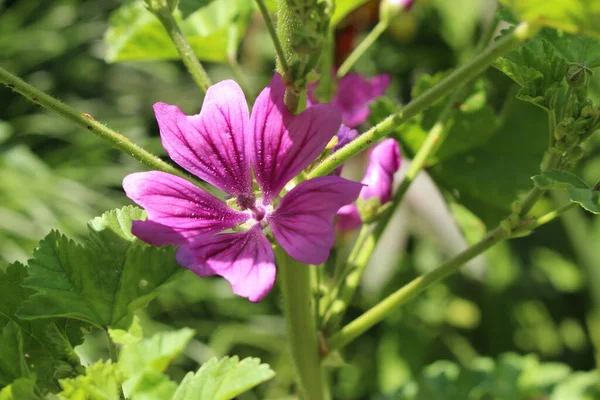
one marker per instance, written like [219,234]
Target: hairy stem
[86,121]
[183,47]
[464,73]
[362,48]
[295,281]
[271,27]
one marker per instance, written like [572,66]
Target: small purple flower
[224,145]
[353,96]
[384,161]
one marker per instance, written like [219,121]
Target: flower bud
[384,162]
[577,75]
[388,9]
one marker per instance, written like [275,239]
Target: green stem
[271,27]
[294,278]
[384,308]
[86,121]
[363,46]
[112,348]
[183,47]
[420,284]
[342,294]
[477,65]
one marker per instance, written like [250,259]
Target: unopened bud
[389,9]
[577,74]
[590,111]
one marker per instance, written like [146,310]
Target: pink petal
[379,178]
[177,210]
[348,218]
[244,259]
[285,144]
[211,145]
[303,222]
[354,95]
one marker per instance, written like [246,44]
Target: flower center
[246,202]
[258,212]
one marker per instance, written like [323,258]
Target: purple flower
[384,161]
[353,96]
[225,145]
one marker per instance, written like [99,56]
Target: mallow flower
[226,146]
[353,96]
[384,161]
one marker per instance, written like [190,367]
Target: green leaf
[155,353]
[12,362]
[343,8]
[188,7]
[579,191]
[133,335]
[223,379]
[101,381]
[47,344]
[135,34]
[101,282]
[21,389]
[574,16]
[150,385]
[573,48]
[143,361]
[537,68]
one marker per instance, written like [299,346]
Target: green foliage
[575,16]
[21,389]
[223,379]
[511,377]
[479,143]
[135,34]
[579,191]
[537,69]
[101,282]
[43,348]
[101,381]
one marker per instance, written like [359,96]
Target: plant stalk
[271,28]
[295,281]
[86,121]
[183,47]
[363,46]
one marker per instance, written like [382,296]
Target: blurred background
[535,295]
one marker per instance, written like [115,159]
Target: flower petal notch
[178,211]
[303,222]
[211,145]
[244,259]
[285,144]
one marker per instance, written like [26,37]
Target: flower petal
[379,177]
[354,95]
[177,210]
[211,145]
[245,259]
[285,144]
[303,221]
